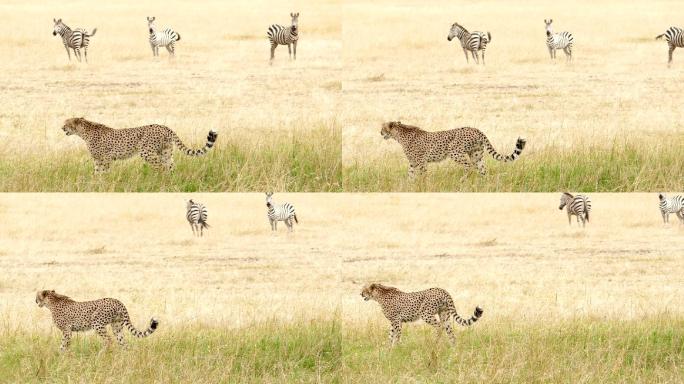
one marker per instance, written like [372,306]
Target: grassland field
[609,121]
[562,304]
[277,124]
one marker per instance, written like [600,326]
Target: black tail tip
[154,323]
[520,144]
[211,137]
[478,311]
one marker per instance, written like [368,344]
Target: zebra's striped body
[561,40]
[579,206]
[76,39]
[281,35]
[674,204]
[165,38]
[282,212]
[470,41]
[196,213]
[675,38]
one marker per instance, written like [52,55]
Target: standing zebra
[674,204]
[280,35]
[560,40]
[74,39]
[473,42]
[579,206]
[675,38]
[196,213]
[283,212]
[165,38]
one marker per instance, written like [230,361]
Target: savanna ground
[277,124]
[562,304]
[609,121]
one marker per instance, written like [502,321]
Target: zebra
[281,35]
[470,41]
[674,204]
[196,213]
[166,38]
[74,39]
[561,40]
[579,206]
[675,38]
[283,212]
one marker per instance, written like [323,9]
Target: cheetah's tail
[154,323]
[519,146]
[211,139]
[461,321]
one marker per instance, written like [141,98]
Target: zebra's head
[455,31]
[661,196]
[565,199]
[549,29]
[269,199]
[150,24]
[189,204]
[59,27]
[295,22]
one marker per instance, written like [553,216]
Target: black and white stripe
[579,206]
[164,38]
[560,40]
[675,38]
[281,35]
[470,41]
[674,204]
[283,212]
[76,39]
[196,213]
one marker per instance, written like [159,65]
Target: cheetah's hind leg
[166,158]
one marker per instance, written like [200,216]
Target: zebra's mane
[461,27]
[568,194]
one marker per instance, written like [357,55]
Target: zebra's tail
[466,322]
[489,37]
[519,146]
[586,211]
[177,36]
[295,217]
[211,139]
[659,36]
[154,323]
[204,224]
[93,32]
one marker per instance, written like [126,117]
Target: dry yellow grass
[400,66]
[267,304]
[220,78]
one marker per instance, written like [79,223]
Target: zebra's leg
[273,47]
[68,53]
[551,53]
[483,52]
[85,54]
[568,53]
[465,52]
[77,53]
[193,228]
[171,50]
[570,219]
[201,228]
[289,50]
[294,49]
[289,224]
[275,225]
[474,53]
[669,54]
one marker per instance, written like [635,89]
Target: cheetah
[153,142]
[463,145]
[404,307]
[74,316]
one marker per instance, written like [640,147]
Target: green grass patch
[621,166]
[296,161]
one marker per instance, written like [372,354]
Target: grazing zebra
[197,217]
[74,39]
[473,42]
[165,38]
[283,212]
[579,206]
[561,40]
[674,204]
[675,38]
[280,35]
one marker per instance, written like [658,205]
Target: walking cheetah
[403,307]
[74,316]
[463,145]
[153,142]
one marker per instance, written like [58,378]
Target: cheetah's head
[42,297]
[369,291]
[72,126]
[389,128]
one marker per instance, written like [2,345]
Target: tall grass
[581,350]
[625,166]
[299,161]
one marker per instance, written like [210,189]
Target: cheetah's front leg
[66,339]
[395,332]
[102,165]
